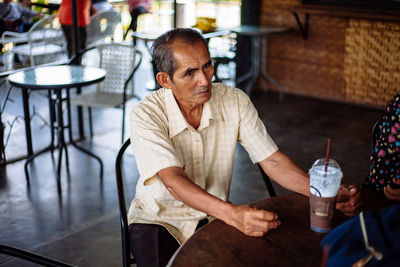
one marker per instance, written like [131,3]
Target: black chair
[126,255]
[32,257]
[267,182]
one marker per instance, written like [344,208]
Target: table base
[259,52]
[57,125]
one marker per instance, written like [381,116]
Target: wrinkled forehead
[182,43]
[182,49]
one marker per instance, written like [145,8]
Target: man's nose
[203,79]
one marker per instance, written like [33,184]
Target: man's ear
[163,79]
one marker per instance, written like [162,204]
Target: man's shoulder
[226,90]
[151,106]
[224,93]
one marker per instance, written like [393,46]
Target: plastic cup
[324,186]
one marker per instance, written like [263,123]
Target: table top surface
[56,77]
[293,243]
[250,30]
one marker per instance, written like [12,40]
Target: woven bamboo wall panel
[372,61]
[352,60]
[313,80]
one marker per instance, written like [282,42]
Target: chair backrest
[102,25]
[126,255]
[46,39]
[267,182]
[120,60]
[46,30]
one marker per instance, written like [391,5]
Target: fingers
[256,222]
[263,214]
[396,181]
[392,193]
[349,193]
[348,200]
[347,209]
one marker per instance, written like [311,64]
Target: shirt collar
[178,123]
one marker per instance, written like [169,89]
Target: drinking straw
[328,151]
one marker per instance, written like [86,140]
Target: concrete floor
[80,225]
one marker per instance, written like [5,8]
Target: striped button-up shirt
[161,138]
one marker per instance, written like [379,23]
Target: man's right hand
[252,221]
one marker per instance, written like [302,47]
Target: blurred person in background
[65,16]
[136,8]
[17,16]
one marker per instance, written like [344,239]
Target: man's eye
[189,72]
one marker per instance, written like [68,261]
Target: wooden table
[293,243]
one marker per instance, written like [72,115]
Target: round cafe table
[57,80]
[293,243]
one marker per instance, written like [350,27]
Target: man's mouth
[204,91]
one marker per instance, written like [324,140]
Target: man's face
[191,83]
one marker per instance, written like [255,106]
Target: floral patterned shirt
[385,154]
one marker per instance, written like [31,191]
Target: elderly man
[184,138]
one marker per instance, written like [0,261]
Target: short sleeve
[152,147]
[253,135]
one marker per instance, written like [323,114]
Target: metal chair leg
[90,122]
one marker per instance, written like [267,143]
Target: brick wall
[345,59]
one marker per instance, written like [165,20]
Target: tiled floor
[80,225]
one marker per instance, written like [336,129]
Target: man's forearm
[246,218]
[284,171]
[186,191]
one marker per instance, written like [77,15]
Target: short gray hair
[162,48]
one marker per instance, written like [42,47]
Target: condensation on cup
[324,186]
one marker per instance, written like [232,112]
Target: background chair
[126,255]
[43,43]
[102,25]
[223,52]
[120,60]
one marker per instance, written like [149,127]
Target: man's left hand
[348,200]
